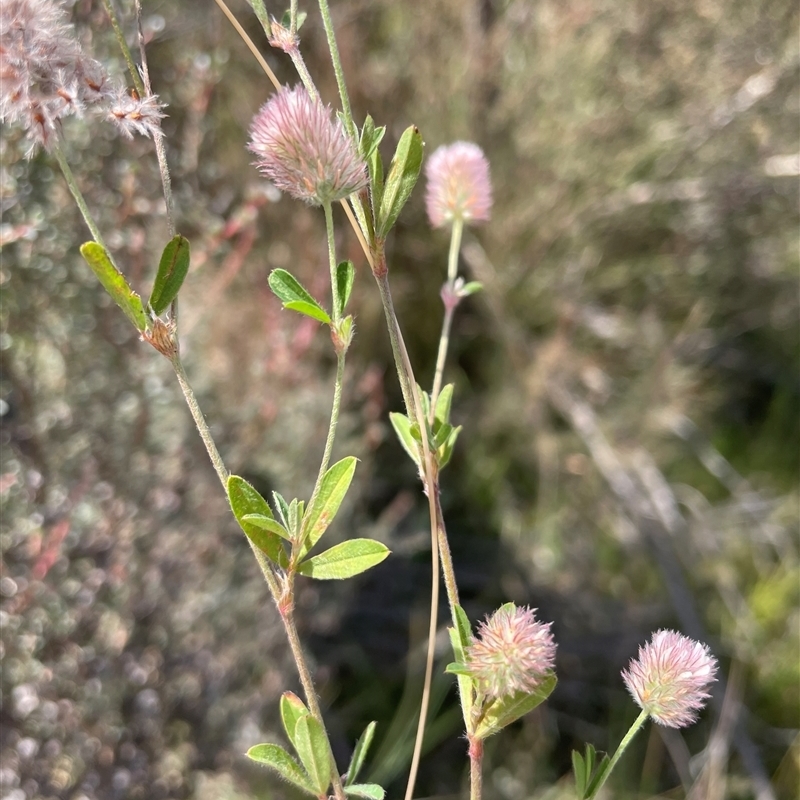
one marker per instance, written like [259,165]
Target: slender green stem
[634,729]
[302,71]
[123,46]
[450,304]
[293,17]
[287,615]
[69,177]
[337,68]
[200,422]
[336,300]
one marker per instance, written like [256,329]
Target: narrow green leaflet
[470,288]
[401,179]
[312,747]
[581,771]
[445,452]
[275,757]
[369,791]
[443,403]
[282,508]
[171,273]
[370,139]
[294,296]
[460,638]
[599,776]
[345,276]
[245,500]
[345,560]
[402,427]
[360,753]
[309,310]
[333,488]
[267,524]
[506,710]
[292,710]
[114,283]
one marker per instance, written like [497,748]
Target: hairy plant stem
[302,71]
[123,46]
[440,548]
[475,768]
[349,124]
[450,305]
[331,236]
[200,422]
[623,745]
[158,140]
[72,184]
[287,615]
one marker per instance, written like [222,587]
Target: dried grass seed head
[303,151]
[670,678]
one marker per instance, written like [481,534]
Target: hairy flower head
[512,652]
[670,678]
[459,187]
[303,151]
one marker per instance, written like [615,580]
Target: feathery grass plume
[459,186]
[512,653]
[45,76]
[670,678]
[303,151]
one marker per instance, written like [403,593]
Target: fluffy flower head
[512,652]
[670,678]
[459,186]
[303,151]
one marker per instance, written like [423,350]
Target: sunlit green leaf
[345,560]
[400,181]
[294,296]
[172,270]
[309,310]
[402,427]
[345,276]
[292,710]
[332,490]
[312,747]
[360,753]
[369,791]
[245,500]
[443,403]
[506,710]
[275,757]
[114,283]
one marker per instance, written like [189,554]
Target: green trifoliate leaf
[275,757]
[401,179]
[345,276]
[294,296]
[245,500]
[402,427]
[345,560]
[114,283]
[171,273]
[333,488]
[505,710]
[292,710]
[369,791]
[360,753]
[314,752]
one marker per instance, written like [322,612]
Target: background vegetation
[628,383]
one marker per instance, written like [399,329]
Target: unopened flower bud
[512,653]
[670,678]
[303,151]
[459,187]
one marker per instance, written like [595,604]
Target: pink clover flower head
[513,652]
[670,678]
[303,151]
[459,187]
